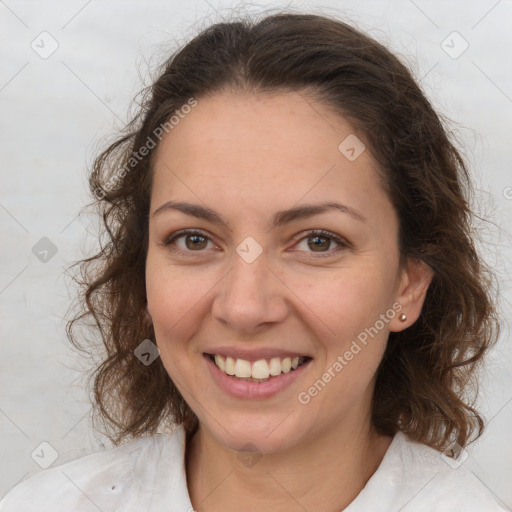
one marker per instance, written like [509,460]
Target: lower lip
[255,390]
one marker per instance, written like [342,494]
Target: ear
[412,288]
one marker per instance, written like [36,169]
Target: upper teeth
[260,369]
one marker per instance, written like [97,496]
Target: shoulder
[448,483]
[102,480]
[414,477]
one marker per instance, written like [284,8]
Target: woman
[289,291]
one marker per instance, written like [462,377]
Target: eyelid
[341,241]
[323,233]
[168,240]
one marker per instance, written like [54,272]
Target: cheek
[171,301]
[346,311]
[346,300]
[179,300]
[173,293]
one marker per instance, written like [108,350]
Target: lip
[254,390]
[250,354]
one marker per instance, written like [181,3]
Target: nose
[250,296]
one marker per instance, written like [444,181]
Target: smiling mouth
[261,370]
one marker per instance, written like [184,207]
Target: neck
[334,465]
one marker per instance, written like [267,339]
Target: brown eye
[319,242]
[194,241]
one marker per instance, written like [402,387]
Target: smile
[256,371]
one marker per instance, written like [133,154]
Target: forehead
[262,149]
[288,126]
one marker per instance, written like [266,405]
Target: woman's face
[252,282]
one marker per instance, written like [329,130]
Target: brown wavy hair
[427,369]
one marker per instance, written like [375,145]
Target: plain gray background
[57,109]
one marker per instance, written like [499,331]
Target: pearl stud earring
[402,317]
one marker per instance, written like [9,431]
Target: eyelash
[321,233]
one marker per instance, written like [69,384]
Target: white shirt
[148,475]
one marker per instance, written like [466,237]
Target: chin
[268,436]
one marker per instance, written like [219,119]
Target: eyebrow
[280,218]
